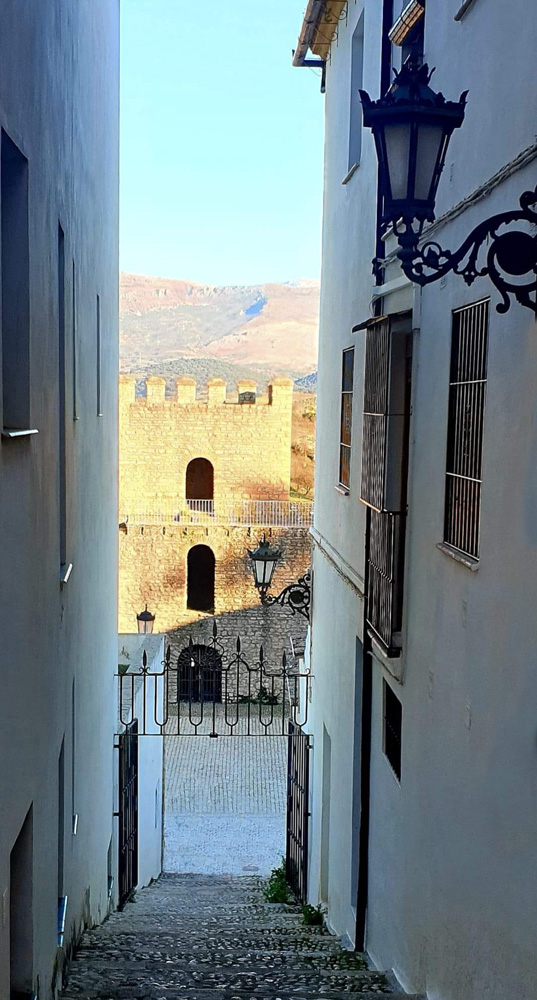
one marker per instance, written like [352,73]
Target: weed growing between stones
[313,915]
[276,889]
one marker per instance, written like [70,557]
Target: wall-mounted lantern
[412,126]
[297,596]
[145,621]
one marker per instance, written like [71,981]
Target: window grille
[392,729]
[467,386]
[385,579]
[375,413]
[347,382]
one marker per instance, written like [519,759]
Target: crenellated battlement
[279,396]
[246,440]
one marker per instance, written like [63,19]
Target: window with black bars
[347,381]
[467,387]
[392,729]
[377,359]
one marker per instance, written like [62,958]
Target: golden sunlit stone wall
[249,445]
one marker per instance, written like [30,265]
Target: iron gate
[212,691]
[296,860]
[128,812]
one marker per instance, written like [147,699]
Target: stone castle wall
[248,443]
[152,570]
[249,446]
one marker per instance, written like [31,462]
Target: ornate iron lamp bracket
[508,255]
[297,596]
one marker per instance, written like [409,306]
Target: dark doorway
[199,480]
[199,674]
[21,920]
[200,578]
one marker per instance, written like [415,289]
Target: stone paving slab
[228,775]
[233,843]
[225,803]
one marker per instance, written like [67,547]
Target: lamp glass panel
[397,139]
[430,139]
[269,570]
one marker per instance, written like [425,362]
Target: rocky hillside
[271,327]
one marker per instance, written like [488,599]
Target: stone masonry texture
[199,937]
[249,446]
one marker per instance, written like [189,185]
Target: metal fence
[213,691]
[237,513]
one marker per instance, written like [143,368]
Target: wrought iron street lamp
[412,126]
[145,621]
[297,596]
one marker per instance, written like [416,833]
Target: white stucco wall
[452,846]
[59,105]
[338,535]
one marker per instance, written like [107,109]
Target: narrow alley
[201,937]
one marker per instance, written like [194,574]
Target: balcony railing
[237,513]
[385,585]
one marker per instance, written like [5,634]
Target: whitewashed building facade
[58,473]
[424,634]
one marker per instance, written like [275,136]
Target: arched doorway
[200,578]
[199,483]
[199,674]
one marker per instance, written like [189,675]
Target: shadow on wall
[272,628]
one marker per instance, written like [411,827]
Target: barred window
[347,382]
[467,384]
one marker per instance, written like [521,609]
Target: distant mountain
[308,383]
[272,327]
[202,369]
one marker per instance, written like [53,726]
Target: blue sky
[221,178]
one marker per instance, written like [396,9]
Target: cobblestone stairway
[215,938]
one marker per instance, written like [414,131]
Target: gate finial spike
[215,629]
[238,644]
[144,658]
[261,655]
[284,660]
[168,654]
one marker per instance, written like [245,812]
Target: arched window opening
[200,579]
[199,484]
[199,674]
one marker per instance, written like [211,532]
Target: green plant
[276,889]
[313,915]
[264,697]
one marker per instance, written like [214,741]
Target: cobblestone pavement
[225,803]
[215,938]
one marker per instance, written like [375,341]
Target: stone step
[260,980]
[163,992]
[323,947]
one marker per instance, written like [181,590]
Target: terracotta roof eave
[319,28]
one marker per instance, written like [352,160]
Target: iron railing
[385,579]
[128,812]
[296,853]
[237,513]
[210,692]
